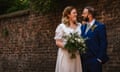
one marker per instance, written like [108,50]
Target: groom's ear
[90,15]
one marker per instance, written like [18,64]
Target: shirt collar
[92,22]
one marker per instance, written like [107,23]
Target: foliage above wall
[43,6]
[47,6]
[19,5]
[7,6]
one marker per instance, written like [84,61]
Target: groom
[96,42]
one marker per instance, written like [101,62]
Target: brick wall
[27,44]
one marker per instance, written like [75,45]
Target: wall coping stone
[15,14]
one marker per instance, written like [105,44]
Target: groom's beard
[86,19]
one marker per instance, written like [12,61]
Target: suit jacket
[96,41]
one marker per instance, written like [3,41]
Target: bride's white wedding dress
[64,62]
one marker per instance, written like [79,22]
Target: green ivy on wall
[5,32]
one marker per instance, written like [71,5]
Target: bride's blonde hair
[66,12]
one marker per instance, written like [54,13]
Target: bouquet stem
[73,56]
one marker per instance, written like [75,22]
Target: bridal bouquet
[74,43]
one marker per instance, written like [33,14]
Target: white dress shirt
[89,25]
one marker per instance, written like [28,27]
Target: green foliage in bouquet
[75,43]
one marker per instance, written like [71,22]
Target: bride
[69,25]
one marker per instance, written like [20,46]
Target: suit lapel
[90,28]
[83,28]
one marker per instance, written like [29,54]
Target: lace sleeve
[59,32]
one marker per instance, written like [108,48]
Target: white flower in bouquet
[74,42]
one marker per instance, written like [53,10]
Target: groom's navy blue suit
[96,47]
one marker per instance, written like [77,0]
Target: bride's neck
[73,25]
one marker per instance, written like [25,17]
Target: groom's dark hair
[91,10]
